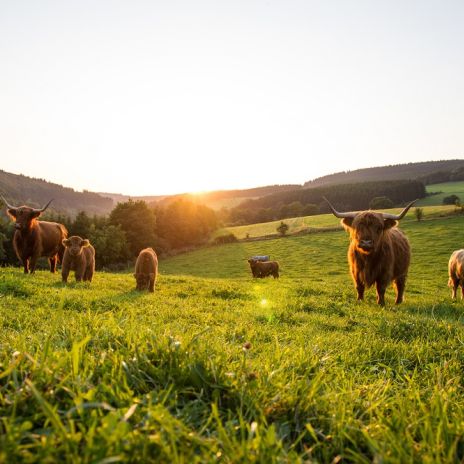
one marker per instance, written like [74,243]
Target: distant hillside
[428,172]
[23,190]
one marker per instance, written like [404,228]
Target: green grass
[321,221]
[446,189]
[101,373]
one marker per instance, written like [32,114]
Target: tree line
[310,201]
[130,227]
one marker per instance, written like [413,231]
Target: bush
[381,203]
[419,213]
[451,200]
[282,229]
[226,238]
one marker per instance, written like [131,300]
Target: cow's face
[75,245]
[23,216]
[143,280]
[366,230]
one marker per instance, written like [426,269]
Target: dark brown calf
[379,253]
[79,256]
[146,270]
[33,238]
[262,269]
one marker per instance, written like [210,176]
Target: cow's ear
[389,223]
[65,242]
[35,214]
[85,243]
[12,212]
[347,222]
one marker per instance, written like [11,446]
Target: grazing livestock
[379,253]
[262,269]
[33,238]
[79,256]
[146,270]
[456,272]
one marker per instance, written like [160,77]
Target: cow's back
[51,235]
[456,264]
[147,262]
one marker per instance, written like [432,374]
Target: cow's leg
[400,284]
[151,285]
[33,262]
[462,290]
[52,261]
[455,285]
[25,262]
[380,287]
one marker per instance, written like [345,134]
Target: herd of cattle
[379,253]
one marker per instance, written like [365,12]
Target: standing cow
[379,253]
[146,270]
[33,238]
[456,272]
[79,256]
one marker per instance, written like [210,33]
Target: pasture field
[446,189]
[321,221]
[218,367]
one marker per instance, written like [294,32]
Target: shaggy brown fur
[33,239]
[456,272]
[264,268]
[379,253]
[146,270]
[79,256]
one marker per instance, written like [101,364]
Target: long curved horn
[7,204]
[398,216]
[337,213]
[44,208]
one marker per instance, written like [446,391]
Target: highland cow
[379,253]
[261,269]
[146,270]
[34,239]
[79,256]
[456,272]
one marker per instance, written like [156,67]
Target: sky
[159,97]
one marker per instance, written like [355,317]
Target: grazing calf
[146,270]
[456,272]
[264,268]
[33,238]
[379,253]
[79,256]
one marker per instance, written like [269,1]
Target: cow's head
[366,228]
[24,215]
[143,280]
[75,244]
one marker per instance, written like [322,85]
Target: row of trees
[130,227]
[310,201]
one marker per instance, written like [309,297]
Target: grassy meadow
[218,367]
[446,189]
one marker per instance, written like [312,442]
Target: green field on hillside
[218,367]
[321,221]
[446,189]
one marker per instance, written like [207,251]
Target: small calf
[456,272]
[79,256]
[146,270]
[264,268]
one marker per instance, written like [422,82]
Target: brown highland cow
[146,270]
[33,238]
[379,253]
[262,269]
[79,256]
[456,272]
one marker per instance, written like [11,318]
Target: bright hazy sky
[152,97]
